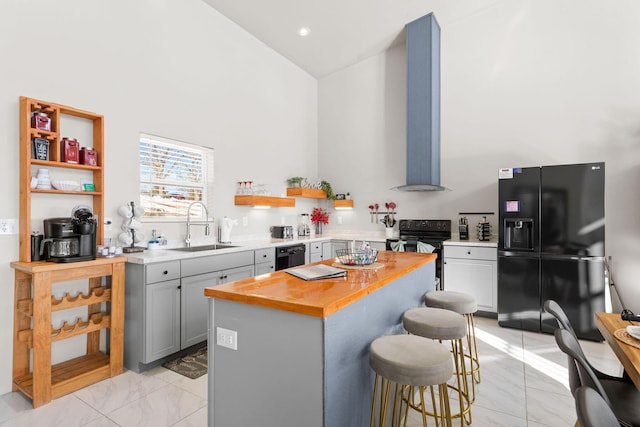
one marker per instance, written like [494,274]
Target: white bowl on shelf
[65,185]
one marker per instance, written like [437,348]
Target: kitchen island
[301,352]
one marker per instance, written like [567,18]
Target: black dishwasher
[289,256]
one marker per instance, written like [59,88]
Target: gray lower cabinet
[265,260]
[315,251]
[193,319]
[165,306]
[162,318]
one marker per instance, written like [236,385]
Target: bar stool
[440,324]
[466,305]
[410,361]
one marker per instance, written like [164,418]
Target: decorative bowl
[65,185]
[357,257]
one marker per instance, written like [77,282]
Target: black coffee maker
[70,239]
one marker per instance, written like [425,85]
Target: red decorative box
[88,156]
[41,121]
[70,150]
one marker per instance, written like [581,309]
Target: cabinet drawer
[471,252]
[207,264]
[163,272]
[315,247]
[265,255]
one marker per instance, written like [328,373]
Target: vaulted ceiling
[342,32]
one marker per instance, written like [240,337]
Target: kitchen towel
[397,246]
[425,248]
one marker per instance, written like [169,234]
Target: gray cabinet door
[162,320]
[238,273]
[194,303]
[265,268]
[194,307]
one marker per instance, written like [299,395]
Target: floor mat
[192,365]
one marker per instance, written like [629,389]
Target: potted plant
[326,187]
[348,196]
[295,181]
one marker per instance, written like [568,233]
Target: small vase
[319,227]
[388,231]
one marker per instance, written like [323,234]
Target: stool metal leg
[462,387]
[472,347]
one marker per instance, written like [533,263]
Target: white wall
[174,69]
[524,83]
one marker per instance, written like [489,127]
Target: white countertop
[164,255]
[473,241]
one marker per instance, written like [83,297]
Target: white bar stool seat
[410,361]
[440,324]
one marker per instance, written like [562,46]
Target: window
[173,174]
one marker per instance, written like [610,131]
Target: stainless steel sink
[203,248]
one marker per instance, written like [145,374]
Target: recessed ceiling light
[304,31]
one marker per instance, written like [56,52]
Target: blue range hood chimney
[423,105]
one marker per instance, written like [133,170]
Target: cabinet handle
[165,272]
[469,253]
[179,286]
[226,276]
[264,256]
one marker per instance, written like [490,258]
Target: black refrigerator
[551,246]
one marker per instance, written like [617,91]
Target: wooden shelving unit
[33,333]
[56,112]
[310,193]
[248,200]
[34,302]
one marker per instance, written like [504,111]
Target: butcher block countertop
[320,298]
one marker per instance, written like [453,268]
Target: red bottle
[41,121]
[88,156]
[70,152]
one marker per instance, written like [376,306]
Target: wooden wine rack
[32,327]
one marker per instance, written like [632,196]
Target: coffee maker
[70,239]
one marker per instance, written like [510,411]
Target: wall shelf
[310,193]
[249,200]
[343,204]
[57,113]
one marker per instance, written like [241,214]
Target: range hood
[423,105]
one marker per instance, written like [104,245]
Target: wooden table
[628,355]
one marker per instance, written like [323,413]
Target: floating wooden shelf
[264,201]
[311,193]
[343,204]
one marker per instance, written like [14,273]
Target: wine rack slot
[95,296]
[96,322]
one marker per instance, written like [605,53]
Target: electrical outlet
[227,338]
[339,220]
[8,226]
[282,220]
[245,221]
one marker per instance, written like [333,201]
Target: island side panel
[275,377]
[348,334]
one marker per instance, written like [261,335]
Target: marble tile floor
[524,383]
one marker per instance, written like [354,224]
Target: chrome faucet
[187,239]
